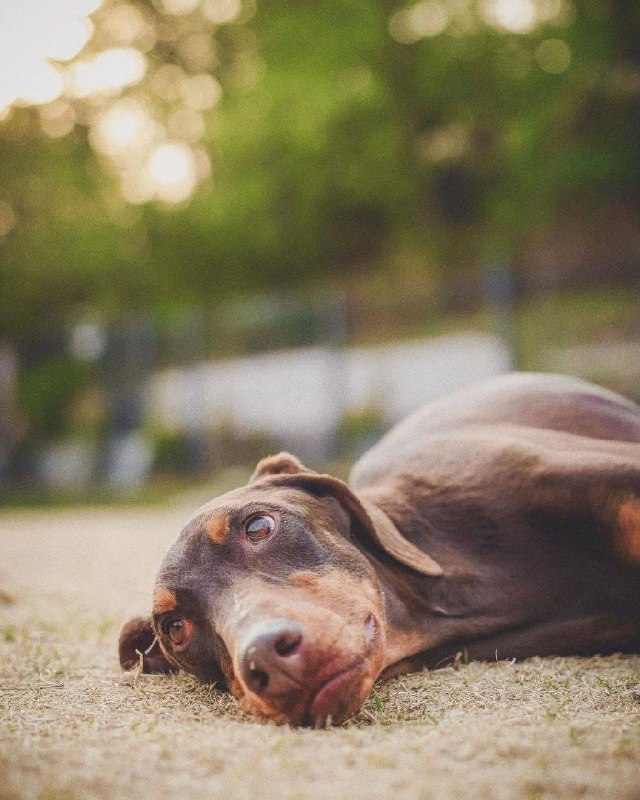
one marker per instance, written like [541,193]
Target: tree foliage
[336,147]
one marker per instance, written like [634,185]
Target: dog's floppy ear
[280,464]
[368,521]
[137,637]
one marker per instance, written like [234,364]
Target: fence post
[129,358]
[499,294]
[332,329]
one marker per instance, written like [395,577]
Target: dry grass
[73,726]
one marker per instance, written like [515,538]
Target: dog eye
[259,528]
[179,631]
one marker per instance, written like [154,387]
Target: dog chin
[341,696]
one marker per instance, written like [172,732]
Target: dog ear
[137,637]
[369,523]
[280,464]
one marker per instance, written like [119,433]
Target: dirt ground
[73,726]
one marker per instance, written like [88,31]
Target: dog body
[503,521]
[520,489]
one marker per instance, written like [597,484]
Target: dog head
[270,590]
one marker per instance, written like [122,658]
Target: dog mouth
[338,695]
[333,701]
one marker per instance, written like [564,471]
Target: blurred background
[229,227]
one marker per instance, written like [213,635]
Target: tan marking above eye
[164,600]
[218,529]
[629,521]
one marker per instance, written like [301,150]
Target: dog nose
[272,662]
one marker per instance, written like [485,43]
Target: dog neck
[421,611]
[411,626]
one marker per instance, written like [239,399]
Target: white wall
[302,394]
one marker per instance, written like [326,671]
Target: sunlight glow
[428,18]
[126,24]
[178,6]
[82,8]
[41,84]
[124,129]
[76,34]
[32,32]
[167,81]
[514,16]
[172,167]
[196,51]
[82,71]
[201,92]
[109,71]
[221,11]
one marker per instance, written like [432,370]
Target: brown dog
[504,519]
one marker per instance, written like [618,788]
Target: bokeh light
[201,92]
[172,168]
[101,64]
[196,51]
[514,16]
[446,143]
[107,72]
[553,56]
[221,11]
[126,25]
[57,119]
[124,129]
[33,32]
[426,18]
[42,83]
[178,6]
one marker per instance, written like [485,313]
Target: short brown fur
[629,521]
